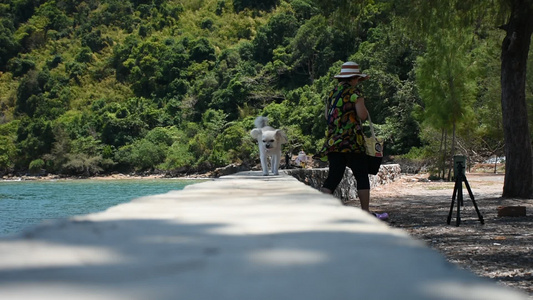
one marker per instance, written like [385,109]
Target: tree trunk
[445,154]
[441,163]
[453,152]
[518,156]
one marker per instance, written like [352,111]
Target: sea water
[27,203]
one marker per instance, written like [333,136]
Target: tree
[7,153]
[34,139]
[424,15]
[8,44]
[81,163]
[202,50]
[277,32]
[239,5]
[445,82]
[145,154]
[234,144]
[515,49]
[312,47]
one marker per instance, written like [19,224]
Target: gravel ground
[501,249]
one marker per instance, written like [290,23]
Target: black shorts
[337,164]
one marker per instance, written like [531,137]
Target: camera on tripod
[459,166]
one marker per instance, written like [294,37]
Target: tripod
[458,188]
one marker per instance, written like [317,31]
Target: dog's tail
[261,122]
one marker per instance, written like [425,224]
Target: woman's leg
[359,166]
[337,165]
[364,198]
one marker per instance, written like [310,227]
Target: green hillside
[100,86]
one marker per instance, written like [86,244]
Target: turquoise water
[27,203]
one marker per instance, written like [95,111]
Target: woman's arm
[360,107]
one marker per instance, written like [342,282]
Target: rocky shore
[116,176]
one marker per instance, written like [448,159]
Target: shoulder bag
[374,150]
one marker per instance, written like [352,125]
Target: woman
[345,144]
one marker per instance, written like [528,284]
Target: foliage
[36,166]
[240,5]
[7,153]
[103,86]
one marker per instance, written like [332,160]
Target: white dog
[269,140]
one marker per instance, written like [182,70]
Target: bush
[202,50]
[416,161]
[83,164]
[143,155]
[233,145]
[36,166]
[19,67]
[85,55]
[54,62]
[178,157]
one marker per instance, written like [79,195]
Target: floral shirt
[344,133]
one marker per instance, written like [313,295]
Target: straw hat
[351,69]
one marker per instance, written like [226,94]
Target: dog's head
[271,139]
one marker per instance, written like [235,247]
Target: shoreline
[210,174]
[207,175]
[119,176]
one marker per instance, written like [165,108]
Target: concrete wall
[242,236]
[347,190]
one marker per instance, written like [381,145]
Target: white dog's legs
[264,162]
[275,163]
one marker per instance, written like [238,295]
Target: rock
[347,189]
[511,211]
[228,170]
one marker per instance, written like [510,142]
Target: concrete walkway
[243,236]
